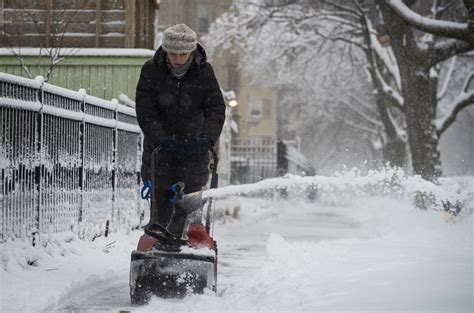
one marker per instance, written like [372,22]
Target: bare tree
[402,49]
[416,57]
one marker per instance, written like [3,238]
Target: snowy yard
[383,90]
[375,253]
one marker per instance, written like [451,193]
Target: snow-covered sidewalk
[373,253]
[376,255]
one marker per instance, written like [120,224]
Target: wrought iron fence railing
[69,161]
[250,164]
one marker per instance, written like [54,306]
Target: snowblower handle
[213,166]
[214,185]
[146,189]
[178,192]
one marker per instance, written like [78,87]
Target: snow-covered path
[109,295]
[242,250]
[373,255]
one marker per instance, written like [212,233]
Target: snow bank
[33,278]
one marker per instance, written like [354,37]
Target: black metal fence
[250,164]
[69,161]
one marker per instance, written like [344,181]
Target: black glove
[190,145]
[199,145]
[169,144]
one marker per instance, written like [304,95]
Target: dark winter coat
[177,113]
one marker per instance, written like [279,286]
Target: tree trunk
[394,152]
[419,93]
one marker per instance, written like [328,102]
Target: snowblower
[181,258]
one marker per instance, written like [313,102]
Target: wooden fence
[103,73]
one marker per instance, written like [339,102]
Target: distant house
[92,40]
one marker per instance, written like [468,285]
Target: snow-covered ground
[353,253]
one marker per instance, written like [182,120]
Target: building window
[260,141]
[254,141]
[203,17]
[256,107]
[266,140]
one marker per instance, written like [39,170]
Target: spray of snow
[343,187]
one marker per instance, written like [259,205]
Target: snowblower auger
[181,258]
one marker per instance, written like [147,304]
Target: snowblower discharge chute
[180,258]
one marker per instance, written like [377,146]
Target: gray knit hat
[179,39]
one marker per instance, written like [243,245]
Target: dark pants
[168,169]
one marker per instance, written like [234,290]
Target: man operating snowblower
[181,112]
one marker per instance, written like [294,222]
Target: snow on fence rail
[69,161]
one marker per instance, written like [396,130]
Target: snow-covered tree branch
[442,50]
[395,98]
[21,60]
[361,127]
[356,109]
[461,31]
[463,100]
[444,87]
[381,36]
[384,54]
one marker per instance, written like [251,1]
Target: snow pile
[20,255]
[31,278]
